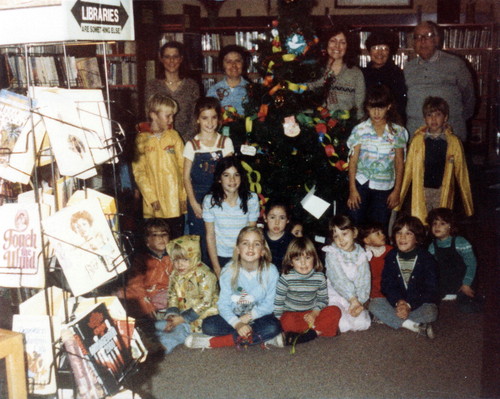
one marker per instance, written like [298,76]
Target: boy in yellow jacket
[435,163]
[158,165]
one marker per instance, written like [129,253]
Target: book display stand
[62,236]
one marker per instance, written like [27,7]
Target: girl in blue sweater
[246,300]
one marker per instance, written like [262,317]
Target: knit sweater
[185,96]
[443,75]
[297,292]
[464,248]
[347,91]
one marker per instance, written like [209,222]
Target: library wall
[260,8]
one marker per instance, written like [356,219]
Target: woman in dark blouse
[382,71]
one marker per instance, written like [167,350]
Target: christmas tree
[288,141]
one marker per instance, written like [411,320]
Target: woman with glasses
[381,70]
[175,84]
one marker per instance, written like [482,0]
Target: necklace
[171,82]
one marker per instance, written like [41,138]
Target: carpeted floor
[377,363]
[462,362]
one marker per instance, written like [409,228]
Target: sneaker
[198,341]
[276,341]
[425,329]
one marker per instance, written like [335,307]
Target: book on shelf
[88,72]
[102,346]
[38,350]
[84,245]
[21,261]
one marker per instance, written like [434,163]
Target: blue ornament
[295,44]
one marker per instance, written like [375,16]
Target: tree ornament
[279,100]
[291,127]
[295,44]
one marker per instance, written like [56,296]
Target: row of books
[125,47]
[122,73]
[452,38]
[69,71]
[400,59]
[212,41]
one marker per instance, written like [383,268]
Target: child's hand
[467,290]
[173,321]
[246,318]
[355,307]
[402,309]
[310,317]
[354,200]
[393,200]
[156,206]
[160,299]
[244,330]
[198,210]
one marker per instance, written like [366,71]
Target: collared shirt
[376,157]
[230,96]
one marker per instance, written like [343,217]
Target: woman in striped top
[301,301]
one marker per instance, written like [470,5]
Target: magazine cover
[68,140]
[21,263]
[38,351]
[17,123]
[84,245]
[101,342]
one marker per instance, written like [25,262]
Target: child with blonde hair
[192,294]
[348,275]
[301,301]
[246,300]
[158,165]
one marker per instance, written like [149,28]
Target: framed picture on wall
[373,3]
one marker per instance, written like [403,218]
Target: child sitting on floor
[192,294]
[455,258]
[348,275]
[409,281]
[301,301]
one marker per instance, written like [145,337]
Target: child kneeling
[192,295]
[409,281]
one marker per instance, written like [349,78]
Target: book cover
[17,153]
[67,137]
[88,383]
[38,339]
[21,263]
[101,342]
[108,204]
[84,245]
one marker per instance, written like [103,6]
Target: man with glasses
[440,74]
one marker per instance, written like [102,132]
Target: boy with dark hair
[409,281]
[435,161]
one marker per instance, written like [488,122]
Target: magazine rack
[102,149]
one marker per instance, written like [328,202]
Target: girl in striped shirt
[301,301]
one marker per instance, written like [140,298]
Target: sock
[410,325]
[222,341]
[290,337]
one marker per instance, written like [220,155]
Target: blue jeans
[173,338]
[264,328]
[373,207]
[383,310]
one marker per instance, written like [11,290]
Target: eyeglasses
[380,47]
[425,36]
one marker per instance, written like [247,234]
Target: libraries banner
[65,20]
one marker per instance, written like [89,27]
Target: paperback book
[102,345]
[21,263]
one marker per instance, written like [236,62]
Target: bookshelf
[477,45]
